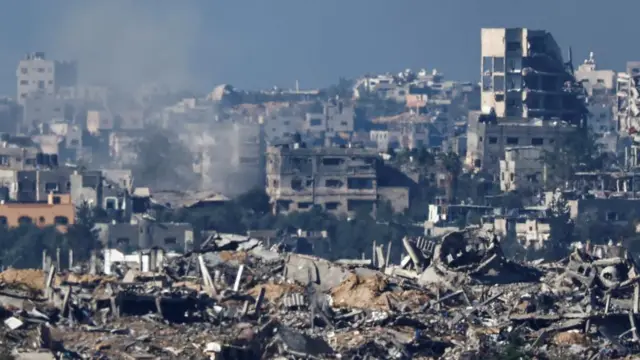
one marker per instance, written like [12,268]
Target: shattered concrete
[457,298]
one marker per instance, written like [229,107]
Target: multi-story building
[144,233]
[595,81]
[522,169]
[37,74]
[336,117]
[524,76]
[230,155]
[59,210]
[487,140]
[628,98]
[340,180]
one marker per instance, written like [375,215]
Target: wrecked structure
[455,298]
[338,179]
[524,76]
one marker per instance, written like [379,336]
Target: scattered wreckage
[457,298]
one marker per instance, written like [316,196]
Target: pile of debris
[451,299]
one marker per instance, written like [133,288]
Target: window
[50,82]
[498,64]
[123,241]
[344,123]
[3,221]
[170,241]
[487,65]
[50,187]
[332,205]
[600,81]
[24,82]
[512,176]
[304,205]
[493,140]
[486,83]
[498,83]
[41,84]
[537,141]
[40,70]
[61,220]
[315,122]
[499,97]
[514,46]
[332,161]
[333,183]
[56,199]
[512,141]
[296,184]
[24,70]
[41,220]
[481,139]
[360,183]
[24,220]
[611,216]
[111,203]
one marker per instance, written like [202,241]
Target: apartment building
[594,80]
[523,75]
[336,117]
[340,180]
[522,169]
[59,210]
[36,74]
[487,139]
[144,233]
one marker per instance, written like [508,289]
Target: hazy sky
[261,43]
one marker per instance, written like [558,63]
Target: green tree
[576,151]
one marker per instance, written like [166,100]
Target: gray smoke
[125,44]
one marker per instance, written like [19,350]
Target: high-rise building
[37,74]
[524,76]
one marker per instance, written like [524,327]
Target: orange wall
[41,214]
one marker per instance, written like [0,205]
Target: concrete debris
[455,298]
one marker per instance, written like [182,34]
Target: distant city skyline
[255,44]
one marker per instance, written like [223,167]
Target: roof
[177,199]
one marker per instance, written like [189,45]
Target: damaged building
[529,96]
[338,179]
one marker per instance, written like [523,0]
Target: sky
[258,44]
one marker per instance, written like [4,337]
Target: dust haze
[123,44]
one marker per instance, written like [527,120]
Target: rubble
[457,298]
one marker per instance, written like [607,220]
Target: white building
[335,118]
[37,74]
[594,80]
[522,168]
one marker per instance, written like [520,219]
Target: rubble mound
[274,292]
[361,292]
[30,279]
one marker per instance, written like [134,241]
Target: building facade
[522,169]
[487,140]
[340,180]
[524,76]
[57,211]
[36,74]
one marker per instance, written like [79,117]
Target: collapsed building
[233,297]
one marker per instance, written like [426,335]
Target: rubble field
[456,298]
